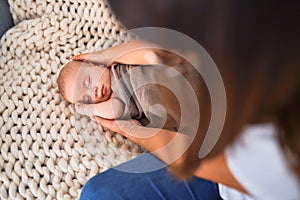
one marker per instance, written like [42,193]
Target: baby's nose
[92,92]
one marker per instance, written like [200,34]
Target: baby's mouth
[103,91]
[97,92]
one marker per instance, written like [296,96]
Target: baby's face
[88,83]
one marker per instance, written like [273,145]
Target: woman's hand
[97,57]
[175,149]
[132,53]
[123,127]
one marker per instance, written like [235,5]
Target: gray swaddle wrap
[150,94]
[145,98]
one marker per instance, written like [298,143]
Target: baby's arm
[110,109]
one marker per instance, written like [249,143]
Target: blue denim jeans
[145,177]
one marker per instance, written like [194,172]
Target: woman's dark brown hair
[256,46]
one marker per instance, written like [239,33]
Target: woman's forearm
[152,139]
[177,150]
[132,52]
[130,46]
[135,53]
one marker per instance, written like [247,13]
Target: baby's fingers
[79,107]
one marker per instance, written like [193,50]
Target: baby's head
[84,82]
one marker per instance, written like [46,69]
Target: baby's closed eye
[87,82]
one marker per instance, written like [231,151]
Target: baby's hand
[85,109]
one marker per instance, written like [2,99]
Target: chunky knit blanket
[47,150]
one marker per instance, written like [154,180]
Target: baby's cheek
[97,100]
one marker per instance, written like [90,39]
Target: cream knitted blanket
[47,150]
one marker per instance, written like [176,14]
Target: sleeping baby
[89,87]
[121,91]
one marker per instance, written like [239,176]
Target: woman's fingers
[119,126]
[79,57]
[107,123]
[84,57]
[94,57]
